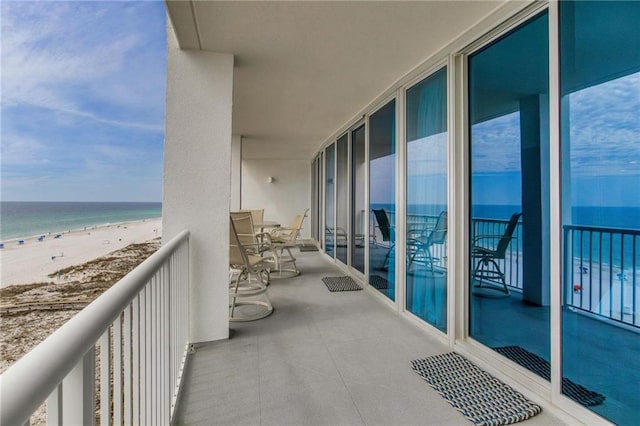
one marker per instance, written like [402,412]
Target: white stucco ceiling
[303,69]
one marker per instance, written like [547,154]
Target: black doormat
[542,368]
[476,394]
[307,247]
[341,284]
[378,282]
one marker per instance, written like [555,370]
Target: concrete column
[197,171]
[534,120]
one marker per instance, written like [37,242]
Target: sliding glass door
[342,198]
[509,195]
[329,200]
[382,196]
[426,217]
[600,142]
[358,208]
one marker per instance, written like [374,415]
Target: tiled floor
[320,359]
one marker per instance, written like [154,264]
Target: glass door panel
[382,196]
[600,145]
[329,200]
[509,205]
[426,129]
[342,199]
[358,208]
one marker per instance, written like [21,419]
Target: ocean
[25,219]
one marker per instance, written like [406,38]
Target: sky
[601,165]
[83,98]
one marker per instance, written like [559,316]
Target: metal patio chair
[487,250]
[285,238]
[419,246]
[387,231]
[249,277]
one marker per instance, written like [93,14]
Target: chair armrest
[487,237]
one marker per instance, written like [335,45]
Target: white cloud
[69,56]
[83,87]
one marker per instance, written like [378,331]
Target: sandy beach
[33,261]
[84,263]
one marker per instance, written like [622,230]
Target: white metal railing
[141,328]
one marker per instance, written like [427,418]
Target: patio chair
[257,215]
[255,243]
[419,246]
[387,231]
[285,238]
[486,250]
[251,273]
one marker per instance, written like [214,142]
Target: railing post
[78,396]
[54,407]
[105,378]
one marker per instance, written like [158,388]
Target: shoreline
[69,231]
[32,261]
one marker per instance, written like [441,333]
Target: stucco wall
[285,197]
[196,178]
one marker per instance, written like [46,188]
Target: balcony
[321,358]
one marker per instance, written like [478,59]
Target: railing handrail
[28,382]
[607,230]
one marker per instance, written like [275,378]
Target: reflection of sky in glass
[427,170]
[604,148]
[382,169]
[605,128]
[605,143]
[496,145]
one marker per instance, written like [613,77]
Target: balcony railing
[602,265]
[140,326]
[602,272]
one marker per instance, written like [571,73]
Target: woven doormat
[542,368]
[341,284]
[480,397]
[378,282]
[307,247]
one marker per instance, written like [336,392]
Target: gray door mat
[477,395]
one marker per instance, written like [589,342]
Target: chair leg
[482,271]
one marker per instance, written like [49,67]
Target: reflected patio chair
[249,277]
[419,245]
[487,250]
[340,237]
[285,238]
[387,232]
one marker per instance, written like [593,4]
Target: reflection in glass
[509,215]
[382,184]
[358,209]
[426,278]
[600,143]
[329,203]
[342,198]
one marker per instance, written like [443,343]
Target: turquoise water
[24,219]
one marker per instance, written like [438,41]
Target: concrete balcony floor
[321,358]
